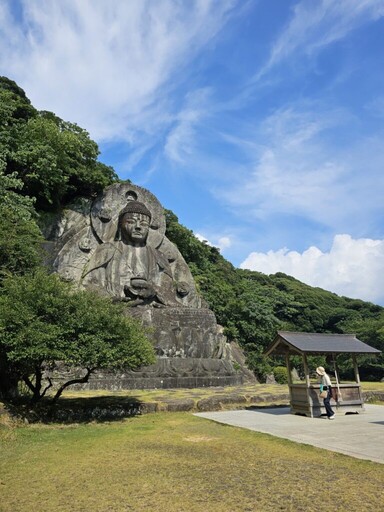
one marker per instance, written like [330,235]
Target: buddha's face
[134,228]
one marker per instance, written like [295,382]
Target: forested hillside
[253,306]
[45,162]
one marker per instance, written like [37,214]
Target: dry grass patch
[149,395]
[176,462]
[199,439]
[154,395]
[373,386]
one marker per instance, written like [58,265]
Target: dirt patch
[199,439]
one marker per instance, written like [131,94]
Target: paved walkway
[358,435]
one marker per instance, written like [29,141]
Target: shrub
[281,374]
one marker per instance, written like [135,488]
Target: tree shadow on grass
[78,410]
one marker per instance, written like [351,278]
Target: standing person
[326,385]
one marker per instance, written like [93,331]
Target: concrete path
[358,435]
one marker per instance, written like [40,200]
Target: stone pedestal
[169,373]
[191,352]
[183,332]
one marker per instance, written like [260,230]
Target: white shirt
[325,380]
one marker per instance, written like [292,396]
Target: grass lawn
[175,462]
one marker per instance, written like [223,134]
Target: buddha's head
[134,223]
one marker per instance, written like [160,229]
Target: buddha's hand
[142,288]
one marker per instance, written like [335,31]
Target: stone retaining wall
[116,408]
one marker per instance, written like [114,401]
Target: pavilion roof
[287,342]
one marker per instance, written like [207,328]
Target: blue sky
[259,122]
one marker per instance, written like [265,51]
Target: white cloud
[315,25]
[301,168]
[222,243]
[203,239]
[104,64]
[354,268]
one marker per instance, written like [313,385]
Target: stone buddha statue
[116,245]
[128,268]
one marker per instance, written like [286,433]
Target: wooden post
[357,379]
[308,385]
[306,370]
[355,367]
[336,369]
[288,363]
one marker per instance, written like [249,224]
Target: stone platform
[356,435]
[166,373]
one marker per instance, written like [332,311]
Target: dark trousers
[327,404]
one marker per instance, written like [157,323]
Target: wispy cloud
[376,107]
[299,169]
[103,64]
[180,140]
[352,267]
[315,25]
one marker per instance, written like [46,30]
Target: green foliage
[14,105]
[371,330]
[281,374]
[43,320]
[55,160]
[20,237]
[197,253]
[257,362]
[45,162]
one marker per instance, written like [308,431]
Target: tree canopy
[20,237]
[56,160]
[43,321]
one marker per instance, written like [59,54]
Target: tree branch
[29,384]
[47,387]
[80,380]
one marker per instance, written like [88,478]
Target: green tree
[20,237]
[261,365]
[44,320]
[56,160]
[45,162]
[194,252]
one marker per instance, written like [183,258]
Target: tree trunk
[29,383]
[36,387]
[38,378]
[8,380]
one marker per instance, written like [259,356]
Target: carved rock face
[117,247]
[105,249]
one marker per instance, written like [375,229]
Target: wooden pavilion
[304,396]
